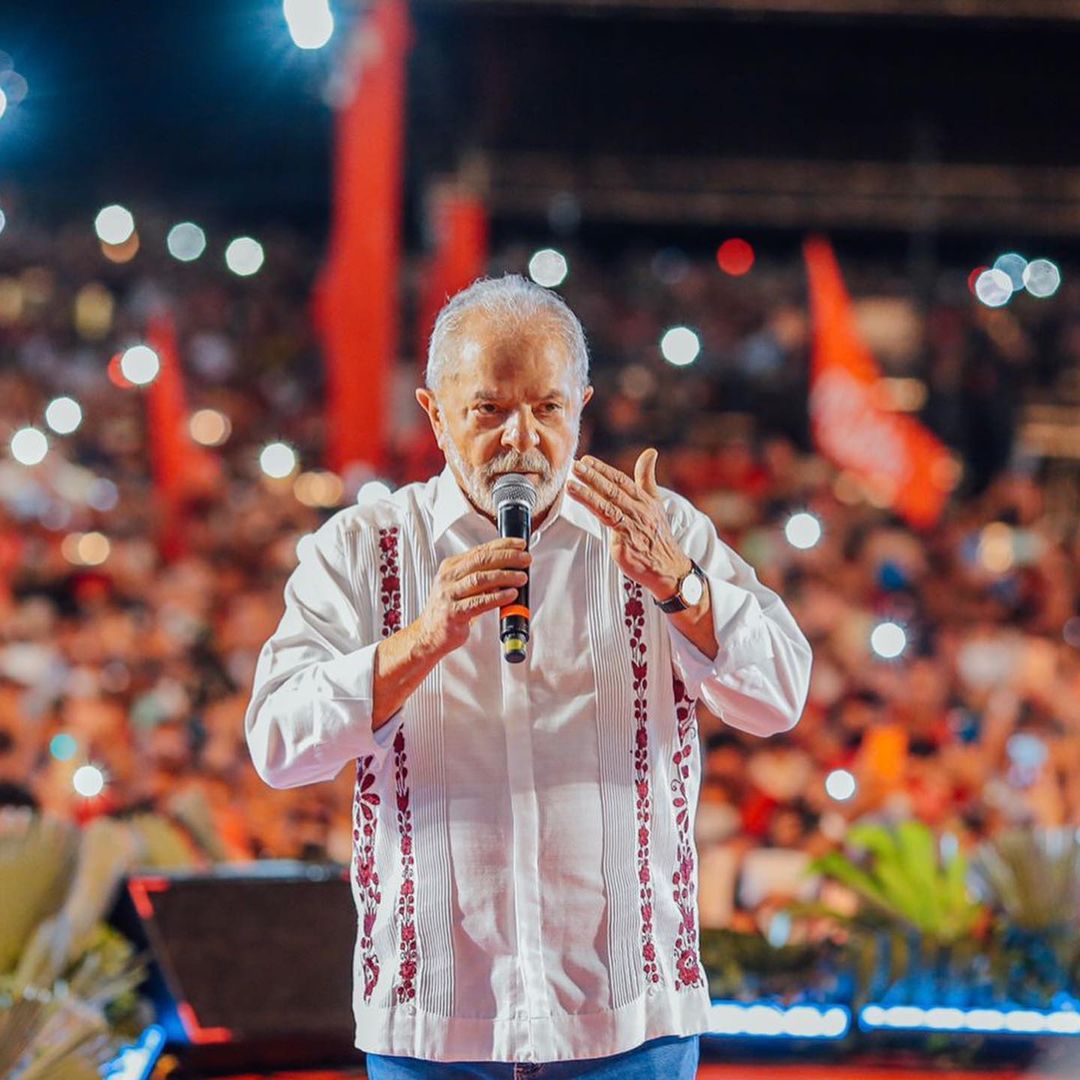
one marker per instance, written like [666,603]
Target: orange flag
[357,299]
[891,451]
[460,227]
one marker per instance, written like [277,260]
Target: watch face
[692,589]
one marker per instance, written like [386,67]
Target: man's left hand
[641,540]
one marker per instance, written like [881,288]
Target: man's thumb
[645,471]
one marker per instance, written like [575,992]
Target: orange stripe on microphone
[513,609]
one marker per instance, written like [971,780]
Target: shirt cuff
[741,634]
[344,689]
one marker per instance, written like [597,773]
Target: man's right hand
[467,585]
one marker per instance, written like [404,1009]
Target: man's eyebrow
[485,395]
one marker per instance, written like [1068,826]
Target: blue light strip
[981,1021]
[137,1062]
[734,1018]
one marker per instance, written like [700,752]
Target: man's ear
[585,395]
[428,403]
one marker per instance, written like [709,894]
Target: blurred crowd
[141,665]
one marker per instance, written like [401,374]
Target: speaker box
[251,966]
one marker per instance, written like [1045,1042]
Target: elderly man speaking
[523,867]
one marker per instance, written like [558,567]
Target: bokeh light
[63,746]
[888,640]
[310,22]
[208,427]
[840,785]
[88,781]
[1014,266]
[278,460]
[680,346]
[1042,278]
[29,446]
[94,309]
[114,224]
[548,267]
[994,288]
[372,492]
[85,549]
[140,365]
[121,253]
[63,415]
[3,103]
[103,495]
[3,221]
[186,241]
[319,488]
[735,257]
[244,256]
[803,530]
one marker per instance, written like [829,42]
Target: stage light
[986,1021]
[840,785]
[888,640]
[88,781]
[29,446]
[277,460]
[310,22]
[103,495]
[974,276]
[63,746]
[3,103]
[735,257]
[1042,278]
[186,241]
[114,224]
[549,268]
[680,346]
[244,256]
[209,427]
[63,415]
[1014,266]
[140,365]
[92,548]
[994,288]
[803,530]
[372,492]
[3,221]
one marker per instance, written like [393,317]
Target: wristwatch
[689,593]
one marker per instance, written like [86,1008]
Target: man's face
[510,404]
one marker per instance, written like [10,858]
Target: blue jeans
[673,1057]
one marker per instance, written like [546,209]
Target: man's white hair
[514,302]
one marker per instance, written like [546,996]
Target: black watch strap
[675,603]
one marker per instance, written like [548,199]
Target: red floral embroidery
[634,618]
[687,967]
[365,801]
[390,592]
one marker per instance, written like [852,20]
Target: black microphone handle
[515,520]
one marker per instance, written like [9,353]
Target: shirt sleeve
[311,705]
[760,677]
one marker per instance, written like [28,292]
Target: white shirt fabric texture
[523,867]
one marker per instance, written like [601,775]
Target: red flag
[180,468]
[893,452]
[357,297]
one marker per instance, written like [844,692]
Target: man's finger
[609,515]
[645,472]
[608,489]
[609,472]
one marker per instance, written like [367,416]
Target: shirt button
[653,990]
[410,1010]
[521,1014]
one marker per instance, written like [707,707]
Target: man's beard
[479,482]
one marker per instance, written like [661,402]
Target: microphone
[515,499]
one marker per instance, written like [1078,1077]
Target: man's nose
[519,431]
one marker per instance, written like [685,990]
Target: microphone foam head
[513,487]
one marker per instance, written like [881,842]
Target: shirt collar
[451,506]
